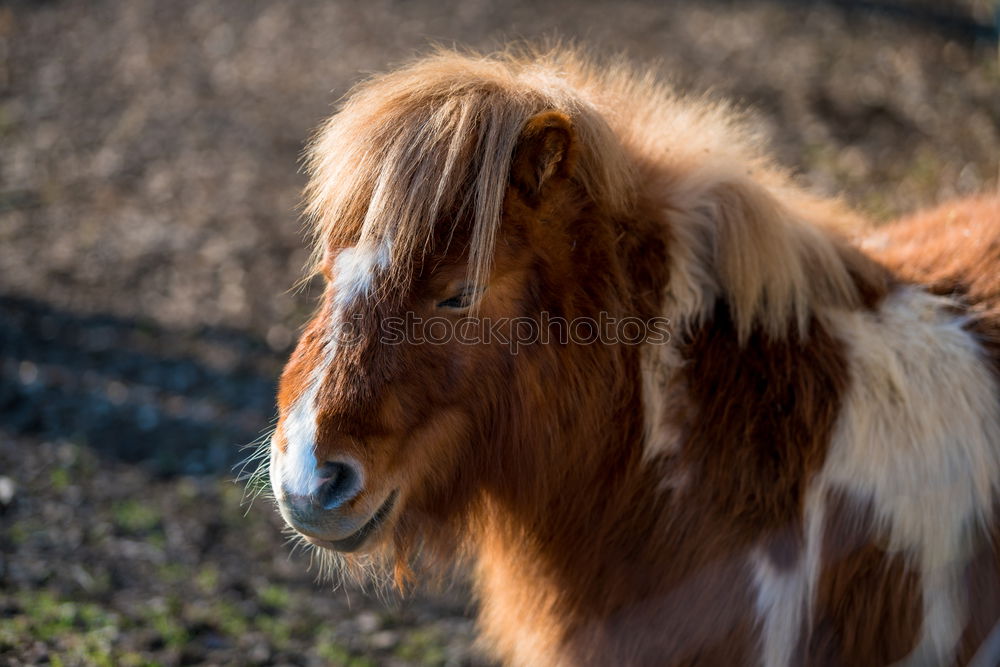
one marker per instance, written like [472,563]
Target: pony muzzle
[360,537]
[327,515]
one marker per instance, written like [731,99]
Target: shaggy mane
[431,144]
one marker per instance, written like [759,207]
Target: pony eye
[465,298]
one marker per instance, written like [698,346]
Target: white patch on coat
[658,365]
[783,597]
[781,606]
[919,439]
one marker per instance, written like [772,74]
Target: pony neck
[568,545]
[666,462]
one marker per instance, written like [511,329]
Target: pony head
[491,232]
[454,203]
[479,222]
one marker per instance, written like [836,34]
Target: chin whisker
[254,470]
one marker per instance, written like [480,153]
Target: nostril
[330,469]
[341,483]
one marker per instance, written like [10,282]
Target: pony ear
[544,151]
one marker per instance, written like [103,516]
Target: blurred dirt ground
[149,240]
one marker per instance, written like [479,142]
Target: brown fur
[982,590]
[868,607]
[955,250]
[586,547]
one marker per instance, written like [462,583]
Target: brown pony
[804,471]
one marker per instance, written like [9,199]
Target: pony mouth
[355,541]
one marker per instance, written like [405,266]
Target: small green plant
[275,597]
[135,517]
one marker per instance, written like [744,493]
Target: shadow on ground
[133,391]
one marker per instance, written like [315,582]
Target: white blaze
[296,470]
